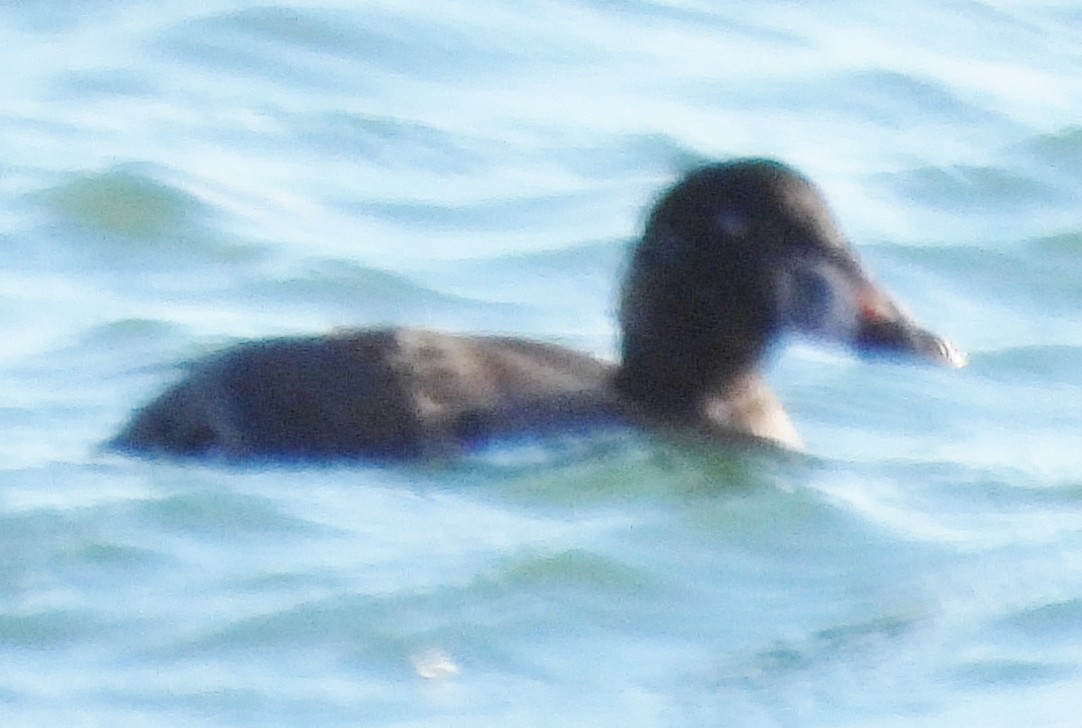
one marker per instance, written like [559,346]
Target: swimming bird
[733,256]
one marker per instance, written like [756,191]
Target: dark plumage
[732,256]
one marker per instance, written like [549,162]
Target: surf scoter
[732,256]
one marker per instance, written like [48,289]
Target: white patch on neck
[818,299]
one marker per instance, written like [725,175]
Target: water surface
[174,179]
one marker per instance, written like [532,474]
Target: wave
[127,215]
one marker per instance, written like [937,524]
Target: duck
[733,257]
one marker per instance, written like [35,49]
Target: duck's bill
[900,337]
[833,299]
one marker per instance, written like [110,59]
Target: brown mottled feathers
[377,393]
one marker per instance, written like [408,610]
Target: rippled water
[175,178]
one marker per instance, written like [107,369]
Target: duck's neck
[671,378]
[702,391]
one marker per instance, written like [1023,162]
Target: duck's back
[372,393]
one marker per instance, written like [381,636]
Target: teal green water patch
[631,156]
[1060,151]
[268,50]
[973,492]
[78,546]
[887,96]
[342,294]
[126,331]
[323,31]
[1064,249]
[481,620]
[995,674]
[126,203]
[574,569]
[28,538]
[813,673]
[1057,264]
[291,43]
[832,645]
[876,96]
[280,582]
[391,143]
[378,631]
[122,557]
[127,218]
[345,285]
[223,514]
[710,19]
[1040,276]
[48,629]
[972,187]
[200,701]
[570,286]
[487,215]
[109,84]
[107,351]
[334,621]
[624,466]
[1060,622]
[587,260]
[1050,363]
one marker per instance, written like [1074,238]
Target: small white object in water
[434,664]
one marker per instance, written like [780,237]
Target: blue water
[177,177]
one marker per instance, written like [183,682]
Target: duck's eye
[733,223]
